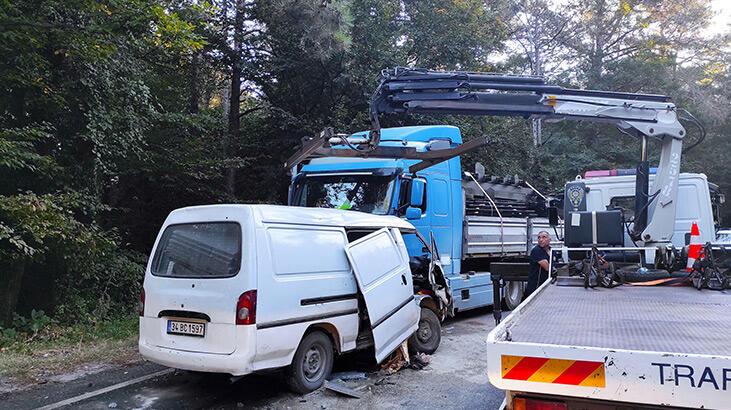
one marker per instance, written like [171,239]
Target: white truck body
[693,198]
[299,262]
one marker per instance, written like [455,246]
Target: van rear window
[200,250]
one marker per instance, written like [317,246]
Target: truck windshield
[365,193]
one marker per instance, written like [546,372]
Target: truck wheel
[427,337]
[513,294]
[312,363]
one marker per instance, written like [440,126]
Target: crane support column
[642,183]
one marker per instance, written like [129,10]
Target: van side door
[384,279]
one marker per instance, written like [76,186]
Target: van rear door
[193,287]
[384,279]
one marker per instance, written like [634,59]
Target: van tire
[312,363]
[428,335]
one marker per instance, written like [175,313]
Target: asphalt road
[455,378]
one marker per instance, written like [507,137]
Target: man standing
[538,272]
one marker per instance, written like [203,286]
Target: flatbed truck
[629,347]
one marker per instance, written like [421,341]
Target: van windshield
[200,250]
[365,193]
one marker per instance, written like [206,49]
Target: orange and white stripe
[694,248]
[558,371]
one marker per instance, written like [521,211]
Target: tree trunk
[194,98]
[11,277]
[234,110]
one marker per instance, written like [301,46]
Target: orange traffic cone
[694,249]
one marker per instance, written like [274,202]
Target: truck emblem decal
[576,194]
[558,371]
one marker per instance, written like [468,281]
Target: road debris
[397,360]
[382,381]
[419,361]
[341,389]
[348,376]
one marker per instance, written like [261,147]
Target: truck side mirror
[553,216]
[413,213]
[416,199]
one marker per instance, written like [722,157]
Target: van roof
[310,216]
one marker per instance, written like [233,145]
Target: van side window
[199,250]
[355,234]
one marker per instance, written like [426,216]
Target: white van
[242,288]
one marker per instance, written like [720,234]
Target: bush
[101,284]
[24,328]
[93,278]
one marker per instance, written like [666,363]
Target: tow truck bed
[668,346]
[651,318]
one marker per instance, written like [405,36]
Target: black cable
[692,119]
[644,209]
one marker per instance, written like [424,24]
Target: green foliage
[49,333]
[24,328]
[32,324]
[103,283]
[31,222]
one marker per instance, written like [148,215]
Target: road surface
[455,378]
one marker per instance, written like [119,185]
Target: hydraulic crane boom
[405,90]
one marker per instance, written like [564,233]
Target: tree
[77,106]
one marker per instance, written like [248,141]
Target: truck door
[384,279]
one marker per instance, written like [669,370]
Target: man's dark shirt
[536,274]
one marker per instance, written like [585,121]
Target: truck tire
[312,363]
[427,337]
[513,294]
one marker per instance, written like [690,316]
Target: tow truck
[577,347]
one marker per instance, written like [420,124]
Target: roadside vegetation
[37,348]
[115,112]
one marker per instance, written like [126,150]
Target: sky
[722,19]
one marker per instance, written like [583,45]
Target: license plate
[186,328]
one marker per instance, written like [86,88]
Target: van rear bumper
[237,363]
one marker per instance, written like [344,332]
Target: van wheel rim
[312,364]
[424,332]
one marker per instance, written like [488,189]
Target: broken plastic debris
[349,376]
[341,389]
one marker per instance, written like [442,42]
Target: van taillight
[141,305]
[246,308]
[520,403]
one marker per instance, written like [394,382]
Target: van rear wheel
[312,363]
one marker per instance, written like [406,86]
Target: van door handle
[403,279]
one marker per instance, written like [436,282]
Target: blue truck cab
[431,199]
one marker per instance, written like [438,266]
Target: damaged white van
[243,288]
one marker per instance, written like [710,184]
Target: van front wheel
[427,337]
[312,363]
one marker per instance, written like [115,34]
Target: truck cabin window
[365,193]
[200,250]
[624,203]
